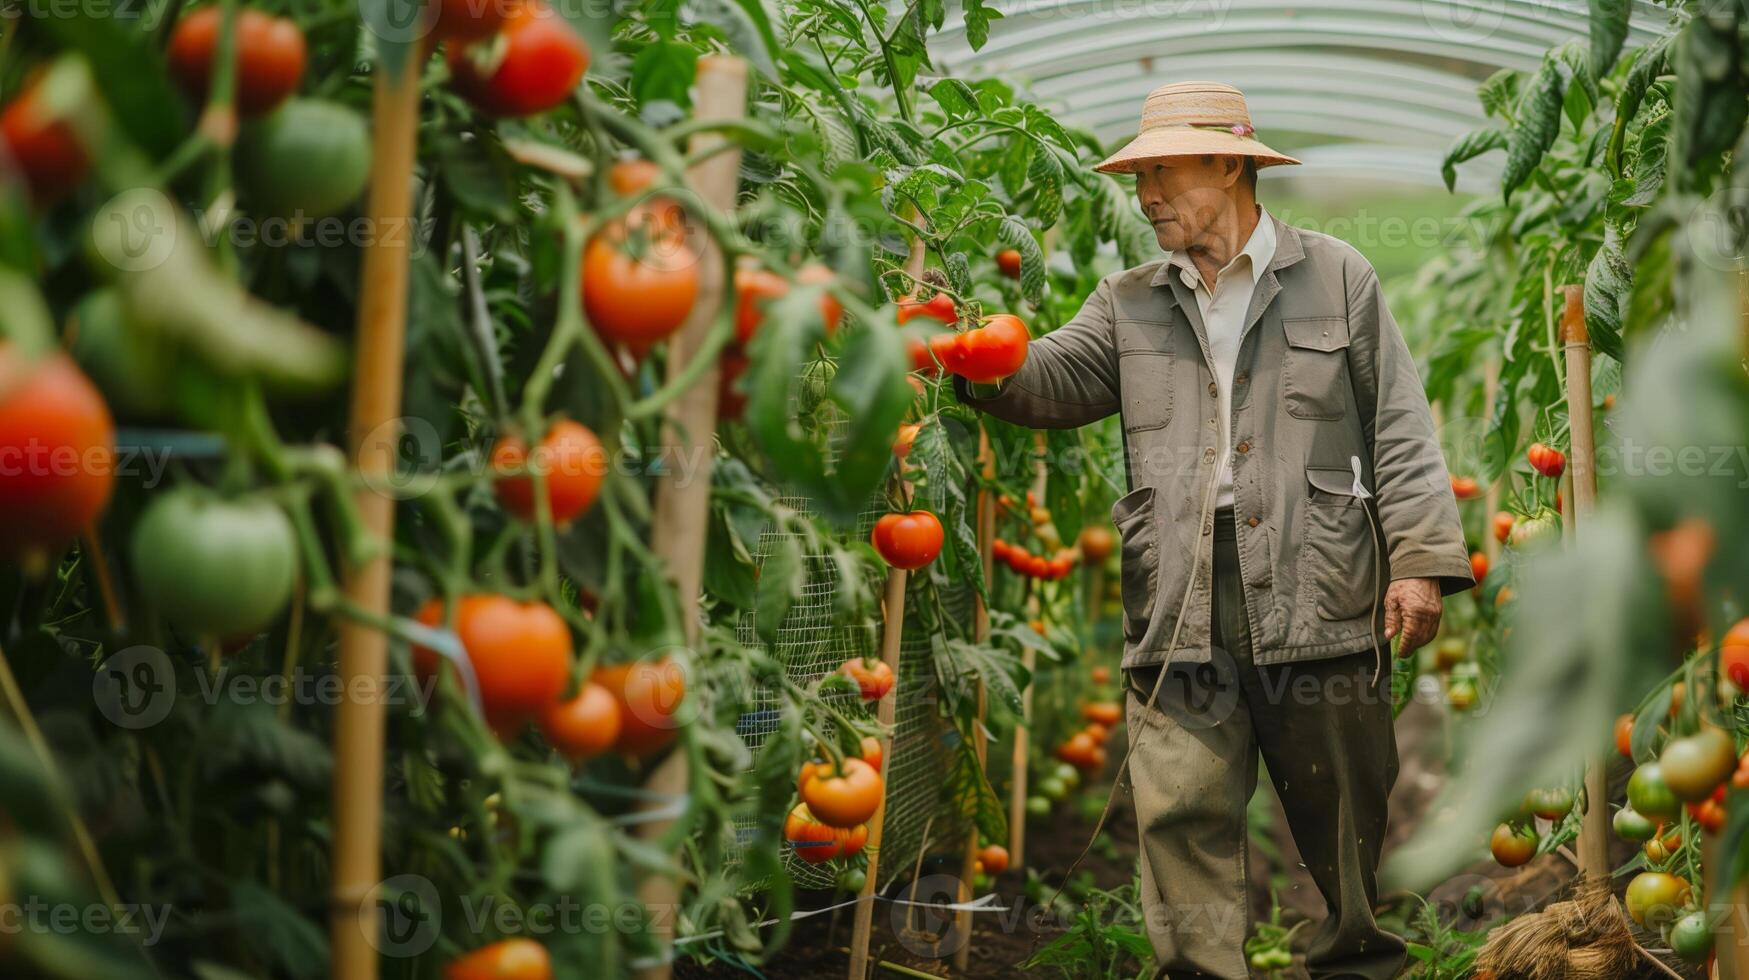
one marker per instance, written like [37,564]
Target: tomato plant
[908,540]
[1513,846]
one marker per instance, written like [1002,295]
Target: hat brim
[1183,141]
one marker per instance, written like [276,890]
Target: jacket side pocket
[1133,514]
[1338,561]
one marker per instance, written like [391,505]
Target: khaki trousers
[1324,730]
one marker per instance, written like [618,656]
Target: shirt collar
[1259,250]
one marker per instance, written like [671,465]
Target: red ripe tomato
[1061,567]
[873,677]
[993,351]
[1097,543]
[872,752]
[43,148]
[628,177]
[586,725]
[754,287]
[995,858]
[536,66]
[1513,848]
[639,285]
[1107,713]
[1503,521]
[1099,733]
[1733,651]
[512,959]
[1624,735]
[270,56]
[570,460]
[1100,675]
[999,550]
[467,20]
[520,652]
[1079,751]
[649,694]
[1465,487]
[1479,565]
[844,798]
[945,350]
[908,541]
[1709,813]
[1038,566]
[814,842]
[938,307]
[1008,261]
[57,455]
[1546,460]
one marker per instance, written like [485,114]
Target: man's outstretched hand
[1412,609]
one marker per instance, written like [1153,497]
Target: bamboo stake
[682,511]
[1594,833]
[376,403]
[1029,659]
[892,633]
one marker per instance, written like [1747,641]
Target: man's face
[1185,197]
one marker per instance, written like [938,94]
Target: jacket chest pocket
[1145,363]
[1315,372]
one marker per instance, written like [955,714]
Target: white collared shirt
[1223,317]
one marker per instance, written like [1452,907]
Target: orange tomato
[1098,732]
[1100,675]
[1107,713]
[586,725]
[1503,522]
[938,307]
[649,694]
[906,438]
[1097,543]
[533,63]
[1478,566]
[843,798]
[1008,261]
[1547,460]
[755,287]
[851,840]
[1624,735]
[570,461]
[1733,650]
[57,455]
[639,283]
[520,652]
[1465,487]
[1078,751]
[512,959]
[995,858]
[269,50]
[814,842]
[873,677]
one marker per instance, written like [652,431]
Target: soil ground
[1001,943]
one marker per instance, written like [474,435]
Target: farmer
[1289,514]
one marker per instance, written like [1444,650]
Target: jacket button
[1213,390]
[1208,454]
[1253,521]
[1243,447]
[1241,378]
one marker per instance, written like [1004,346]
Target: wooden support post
[1581,504]
[371,437]
[682,511]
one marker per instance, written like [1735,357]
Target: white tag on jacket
[1359,487]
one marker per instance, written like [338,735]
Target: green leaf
[1539,120]
[1467,147]
[963,543]
[1045,175]
[1015,234]
[747,28]
[1498,91]
[1609,28]
[955,98]
[663,71]
[978,15]
[969,788]
[781,578]
[1650,161]
[1608,280]
[279,932]
[477,175]
[127,67]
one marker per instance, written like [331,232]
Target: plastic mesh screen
[810,643]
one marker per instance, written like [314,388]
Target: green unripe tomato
[1038,806]
[853,879]
[1068,775]
[1052,788]
[1692,937]
[307,159]
[214,567]
[1632,826]
[1650,796]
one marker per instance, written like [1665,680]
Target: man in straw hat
[1289,514]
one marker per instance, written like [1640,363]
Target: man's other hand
[1412,609]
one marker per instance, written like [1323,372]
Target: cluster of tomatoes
[1085,750]
[1023,562]
[834,804]
[521,656]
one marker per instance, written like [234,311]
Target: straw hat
[1187,118]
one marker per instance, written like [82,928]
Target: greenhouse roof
[1373,88]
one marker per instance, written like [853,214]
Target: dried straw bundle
[1583,938]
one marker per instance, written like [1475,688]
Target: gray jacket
[1323,377]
